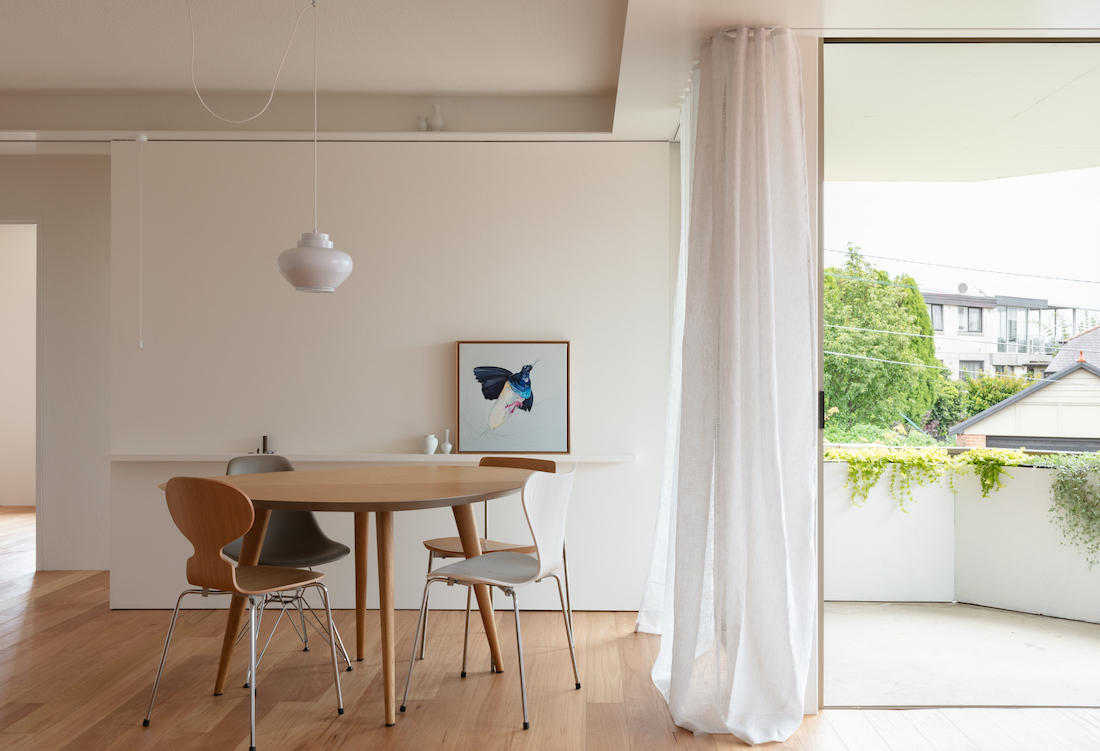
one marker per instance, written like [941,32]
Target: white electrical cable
[141,242]
[191,20]
[314,115]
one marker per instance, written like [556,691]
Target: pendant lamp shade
[315,266]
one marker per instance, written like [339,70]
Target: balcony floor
[913,654]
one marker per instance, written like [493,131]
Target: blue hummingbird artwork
[510,391]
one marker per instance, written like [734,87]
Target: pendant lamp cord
[314,115]
[194,85]
[141,245]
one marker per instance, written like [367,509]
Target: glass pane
[1002,329]
[962,318]
[975,319]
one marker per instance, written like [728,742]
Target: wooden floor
[76,675]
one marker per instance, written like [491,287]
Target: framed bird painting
[513,397]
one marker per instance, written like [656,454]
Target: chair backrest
[254,464]
[515,462]
[210,514]
[545,502]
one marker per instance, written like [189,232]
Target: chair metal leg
[519,649]
[466,637]
[252,671]
[164,654]
[302,616]
[416,639]
[424,637]
[332,643]
[259,627]
[568,597]
[568,631]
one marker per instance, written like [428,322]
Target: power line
[967,268]
[921,365]
[959,339]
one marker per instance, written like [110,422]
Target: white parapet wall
[1009,554]
[1003,551]
[879,553]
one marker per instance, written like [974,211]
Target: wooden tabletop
[377,488]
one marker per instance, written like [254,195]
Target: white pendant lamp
[314,265]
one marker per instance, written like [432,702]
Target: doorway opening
[18,390]
[962,323]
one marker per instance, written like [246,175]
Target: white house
[1059,413]
[1008,335]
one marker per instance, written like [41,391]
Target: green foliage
[989,464]
[859,296]
[1075,501]
[923,394]
[883,436]
[983,392]
[922,466]
[947,407]
[907,465]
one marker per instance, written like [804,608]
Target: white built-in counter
[608,543]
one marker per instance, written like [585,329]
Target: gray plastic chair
[294,539]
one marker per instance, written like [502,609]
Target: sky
[1046,225]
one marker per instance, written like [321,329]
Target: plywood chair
[451,547]
[545,502]
[211,514]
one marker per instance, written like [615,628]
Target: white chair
[545,501]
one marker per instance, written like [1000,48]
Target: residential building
[1084,346]
[1059,413]
[976,334]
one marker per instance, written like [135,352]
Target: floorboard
[75,676]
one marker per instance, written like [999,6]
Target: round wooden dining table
[382,491]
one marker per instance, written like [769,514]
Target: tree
[875,314]
[985,391]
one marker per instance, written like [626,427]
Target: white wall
[70,197]
[879,553]
[450,241]
[1008,553]
[18,296]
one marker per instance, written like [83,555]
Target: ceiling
[960,111]
[380,47]
[620,65]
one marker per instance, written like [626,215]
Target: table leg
[361,519]
[467,530]
[383,522]
[250,556]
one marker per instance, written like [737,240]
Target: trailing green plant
[989,465]
[1075,501]
[923,466]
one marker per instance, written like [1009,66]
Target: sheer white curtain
[660,562]
[732,581]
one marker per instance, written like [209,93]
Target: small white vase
[435,122]
[422,123]
[428,444]
[445,447]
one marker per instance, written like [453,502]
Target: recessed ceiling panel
[375,47]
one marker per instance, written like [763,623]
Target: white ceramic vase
[435,122]
[445,447]
[421,123]
[428,444]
